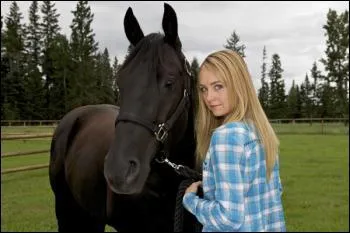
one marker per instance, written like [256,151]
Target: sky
[292,29]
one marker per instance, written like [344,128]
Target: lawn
[314,173]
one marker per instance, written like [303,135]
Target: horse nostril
[132,163]
[132,170]
[132,166]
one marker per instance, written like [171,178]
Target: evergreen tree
[34,42]
[34,84]
[263,92]
[293,102]
[2,40]
[316,86]
[104,78]
[4,71]
[232,43]
[84,48]
[62,70]
[306,98]
[115,69]
[50,29]
[336,61]
[194,68]
[327,100]
[277,92]
[14,58]
[194,73]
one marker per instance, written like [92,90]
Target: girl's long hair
[230,68]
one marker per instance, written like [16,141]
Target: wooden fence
[280,125]
[12,154]
[49,123]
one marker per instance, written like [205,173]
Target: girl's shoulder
[238,130]
[236,126]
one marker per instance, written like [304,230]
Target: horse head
[154,83]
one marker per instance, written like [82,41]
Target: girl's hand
[193,188]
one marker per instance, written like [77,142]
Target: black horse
[103,164]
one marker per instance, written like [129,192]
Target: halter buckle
[162,133]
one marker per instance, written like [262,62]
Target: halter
[160,130]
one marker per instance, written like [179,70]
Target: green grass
[27,202]
[314,173]
[24,145]
[315,176]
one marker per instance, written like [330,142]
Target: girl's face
[214,93]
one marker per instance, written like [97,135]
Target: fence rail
[22,153]
[16,137]
[49,123]
[281,126]
[25,168]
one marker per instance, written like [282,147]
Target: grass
[315,177]
[27,202]
[25,145]
[314,173]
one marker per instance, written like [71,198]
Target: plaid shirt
[236,194]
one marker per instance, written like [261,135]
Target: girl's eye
[202,89]
[218,87]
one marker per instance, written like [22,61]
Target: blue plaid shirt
[237,196]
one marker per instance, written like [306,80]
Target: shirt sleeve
[226,211]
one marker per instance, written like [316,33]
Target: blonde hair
[231,69]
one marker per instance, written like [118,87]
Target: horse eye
[169,83]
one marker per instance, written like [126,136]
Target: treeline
[320,95]
[44,74]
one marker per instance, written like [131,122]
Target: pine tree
[14,57]
[293,102]
[115,69]
[84,49]
[104,78]
[2,40]
[232,43]
[263,92]
[4,71]
[327,100]
[306,98]
[34,42]
[34,84]
[62,70]
[316,86]
[277,93]
[194,73]
[194,68]
[336,61]
[50,29]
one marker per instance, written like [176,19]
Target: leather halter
[160,130]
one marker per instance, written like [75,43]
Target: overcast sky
[291,29]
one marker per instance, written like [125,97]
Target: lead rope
[192,176]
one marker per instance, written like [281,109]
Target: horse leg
[70,216]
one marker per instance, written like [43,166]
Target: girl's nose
[210,95]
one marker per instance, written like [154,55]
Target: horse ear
[132,28]
[170,26]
